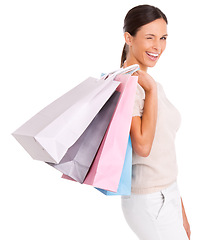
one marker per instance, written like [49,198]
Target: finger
[125,64]
[137,73]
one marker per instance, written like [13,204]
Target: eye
[163,38]
[148,38]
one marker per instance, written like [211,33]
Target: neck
[130,61]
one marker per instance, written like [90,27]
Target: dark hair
[136,18]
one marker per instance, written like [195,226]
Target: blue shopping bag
[124,187]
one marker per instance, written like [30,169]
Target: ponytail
[124,54]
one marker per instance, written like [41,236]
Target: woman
[154,210]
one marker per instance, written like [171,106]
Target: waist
[151,190]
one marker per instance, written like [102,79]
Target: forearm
[183,210]
[185,220]
[149,119]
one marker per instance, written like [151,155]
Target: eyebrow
[165,35]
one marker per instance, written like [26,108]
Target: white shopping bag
[50,133]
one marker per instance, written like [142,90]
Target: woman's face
[146,47]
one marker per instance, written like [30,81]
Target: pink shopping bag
[107,167]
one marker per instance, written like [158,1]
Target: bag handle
[128,70]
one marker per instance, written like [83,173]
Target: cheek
[163,46]
[140,47]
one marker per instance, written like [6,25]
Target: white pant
[155,216]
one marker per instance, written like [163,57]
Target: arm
[185,221]
[143,129]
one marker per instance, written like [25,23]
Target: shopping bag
[106,169]
[124,187]
[50,133]
[79,157]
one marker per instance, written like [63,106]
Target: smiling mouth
[152,56]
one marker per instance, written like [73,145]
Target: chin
[151,65]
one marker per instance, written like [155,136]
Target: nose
[157,46]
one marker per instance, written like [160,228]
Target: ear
[128,38]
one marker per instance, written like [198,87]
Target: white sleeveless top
[159,169]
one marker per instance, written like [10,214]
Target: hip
[158,204]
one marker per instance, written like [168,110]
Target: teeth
[153,54]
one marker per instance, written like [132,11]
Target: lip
[153,58]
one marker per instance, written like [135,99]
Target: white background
[48,47]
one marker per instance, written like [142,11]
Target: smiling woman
[148,44]
[154,210]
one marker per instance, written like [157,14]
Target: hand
[185,221]
[144,79]
[186,226]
